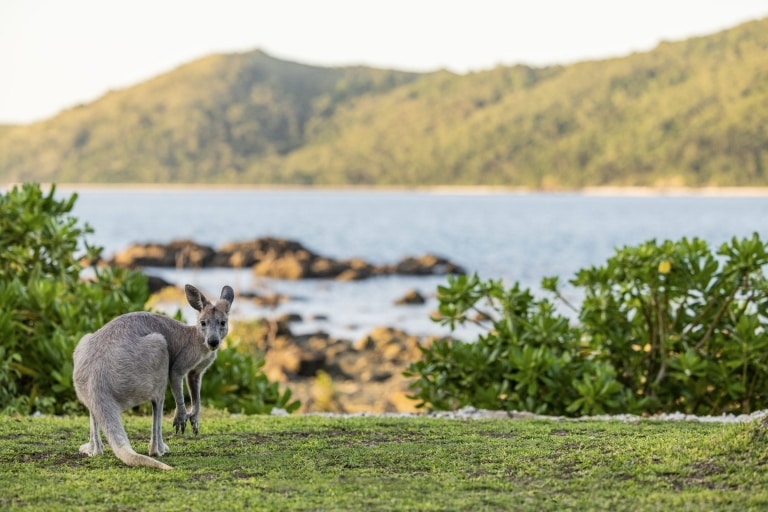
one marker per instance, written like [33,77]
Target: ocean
[513,236]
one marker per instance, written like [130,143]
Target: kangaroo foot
[91,449]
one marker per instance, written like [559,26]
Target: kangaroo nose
[214,343]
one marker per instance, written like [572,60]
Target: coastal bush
[683,326]
[47,304]
[662,327]
[529,359]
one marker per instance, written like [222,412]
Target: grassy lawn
[373,463]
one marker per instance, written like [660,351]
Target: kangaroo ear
[228,295]
[196,299]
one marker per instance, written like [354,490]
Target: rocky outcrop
[179,253]
[249,253]
[275,258]
[336,375]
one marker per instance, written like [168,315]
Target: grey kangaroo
[130,360]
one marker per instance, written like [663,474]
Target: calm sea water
[517,237]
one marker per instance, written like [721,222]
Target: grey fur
[130,360]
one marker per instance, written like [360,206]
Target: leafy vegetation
[47,305]
[528,360]
[324,463]
[662,328]
[683,326]
[689,113]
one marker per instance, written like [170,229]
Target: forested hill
[689,113]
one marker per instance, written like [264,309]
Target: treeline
[689,113]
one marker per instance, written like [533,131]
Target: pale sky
[57,53]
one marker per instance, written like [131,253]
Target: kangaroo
[130,360]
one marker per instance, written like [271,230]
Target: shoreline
[472,413]
[592,191]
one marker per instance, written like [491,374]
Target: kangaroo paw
[90,450]
[194,421]
[158,450]
[180,423]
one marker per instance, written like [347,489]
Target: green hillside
[206,121]
[690,113]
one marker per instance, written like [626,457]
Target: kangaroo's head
[212,318]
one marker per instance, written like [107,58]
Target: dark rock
[179,254]
[325,268]
[428,264]
[249,253]
[271,300]
[310,364]
[411,297]
[155,284]
[290,318]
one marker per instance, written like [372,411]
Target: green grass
[372,463]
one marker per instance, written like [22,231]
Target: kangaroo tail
[126,454]
[108,416]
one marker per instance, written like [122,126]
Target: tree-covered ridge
[205,121]
[688,113]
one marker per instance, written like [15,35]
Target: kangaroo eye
[203,323]
[223,323]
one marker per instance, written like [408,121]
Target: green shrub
[683,326]
[45,305]
[530,359]
[662,327]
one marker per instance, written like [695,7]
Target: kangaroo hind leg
[156,445]
[93,446]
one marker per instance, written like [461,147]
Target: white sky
[58,53]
